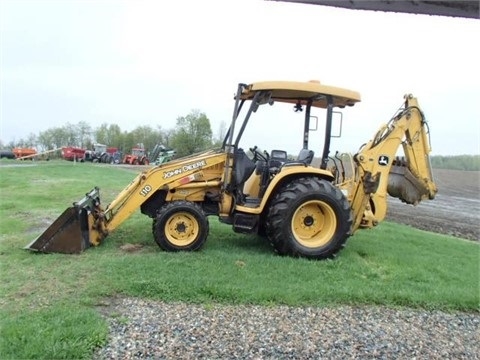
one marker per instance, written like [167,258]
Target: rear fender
[285,176]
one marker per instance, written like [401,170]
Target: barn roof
[457,8]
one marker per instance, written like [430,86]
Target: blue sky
[148,62]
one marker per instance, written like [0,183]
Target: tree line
[456,162]
[192,133]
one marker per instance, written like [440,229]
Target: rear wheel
[180,226]
[309,218]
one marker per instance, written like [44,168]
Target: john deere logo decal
[183,169]
[383,160]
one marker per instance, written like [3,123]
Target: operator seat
[243,168]
[306,156]
[276,160]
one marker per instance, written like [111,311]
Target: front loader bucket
[71,232]
[68,234]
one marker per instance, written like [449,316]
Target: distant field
[455,210]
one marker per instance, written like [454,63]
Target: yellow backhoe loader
[301,209]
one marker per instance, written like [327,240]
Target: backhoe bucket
[70,232]
[404,185]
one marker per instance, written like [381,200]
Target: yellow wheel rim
[182,229]
[314,224]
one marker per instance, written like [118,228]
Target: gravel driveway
[141,329]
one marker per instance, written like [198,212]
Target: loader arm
[87,223]
[172,175]
[379,172]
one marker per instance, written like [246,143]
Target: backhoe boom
[380,172]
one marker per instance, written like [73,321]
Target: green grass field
[49,302]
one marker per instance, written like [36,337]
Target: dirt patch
[454,211]
[131,247]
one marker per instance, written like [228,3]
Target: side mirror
[313,125]
[337,121]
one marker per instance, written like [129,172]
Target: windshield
[280,127]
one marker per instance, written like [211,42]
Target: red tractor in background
[137,157]
[72,153]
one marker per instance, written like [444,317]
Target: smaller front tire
[180,226]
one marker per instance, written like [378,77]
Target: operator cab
[304,96]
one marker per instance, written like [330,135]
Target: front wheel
[180,226]
[309,218]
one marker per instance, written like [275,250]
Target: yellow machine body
[303,210]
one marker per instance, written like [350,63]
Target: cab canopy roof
[297,92]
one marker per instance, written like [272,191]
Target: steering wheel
[257,155]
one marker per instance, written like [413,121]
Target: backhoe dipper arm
[379,172]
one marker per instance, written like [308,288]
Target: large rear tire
[180,226]
[309,218]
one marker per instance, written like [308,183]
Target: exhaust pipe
[74,230]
